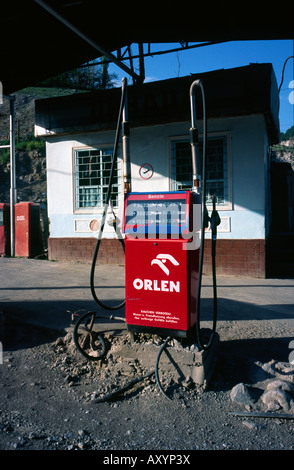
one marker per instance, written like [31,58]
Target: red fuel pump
[162,244]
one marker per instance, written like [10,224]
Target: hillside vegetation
[30,154]
[30,151]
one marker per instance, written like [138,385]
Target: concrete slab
[182,363]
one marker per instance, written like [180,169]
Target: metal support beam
[141,55]
[86,38]
[13,195]
[130,58]
[141,61]
[12,175]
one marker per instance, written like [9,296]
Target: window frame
[100,147]
[227,205]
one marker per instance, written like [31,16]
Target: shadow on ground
[236,359]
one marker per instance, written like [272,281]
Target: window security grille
[216,167]
[92,173]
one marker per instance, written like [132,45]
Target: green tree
[91,76]
[289,134]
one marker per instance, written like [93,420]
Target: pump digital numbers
[158,216]
[146,171]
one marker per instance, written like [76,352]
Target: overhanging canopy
[37,44]
[239,91]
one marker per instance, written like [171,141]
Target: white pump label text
[155,285]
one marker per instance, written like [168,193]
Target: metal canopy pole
[86,38]
[11,147]
[125,141]
[12,175]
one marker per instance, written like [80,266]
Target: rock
[59,342]
[271,397]
[82,433]
[273,406]
[259,373]
[71,379]
[188,382]
[240,395]
[249,425]
[282,385]
[280,370]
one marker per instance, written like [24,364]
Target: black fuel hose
[215,220]
[157,366]
[108,195]
[201,343]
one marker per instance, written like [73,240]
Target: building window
[217,174]
[92,171]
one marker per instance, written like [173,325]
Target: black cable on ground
[157,365]
[119,391]
[89,319]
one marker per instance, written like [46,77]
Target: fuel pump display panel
[157,213]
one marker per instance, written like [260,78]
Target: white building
[242,110]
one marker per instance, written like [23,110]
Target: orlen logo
[161,259]
[155,285]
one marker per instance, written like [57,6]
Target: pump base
[180,362]
[162,331]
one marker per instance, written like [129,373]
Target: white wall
[247,153]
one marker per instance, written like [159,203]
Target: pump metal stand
[201,189]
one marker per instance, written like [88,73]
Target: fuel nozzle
[215,220]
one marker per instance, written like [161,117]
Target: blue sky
[226,55]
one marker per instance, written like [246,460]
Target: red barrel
[27,230]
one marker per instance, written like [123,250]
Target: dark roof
[35,45]
[228,92]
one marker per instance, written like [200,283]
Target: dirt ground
[50,393]
[49,400]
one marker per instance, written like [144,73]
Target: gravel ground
[49,397]
[50,392]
